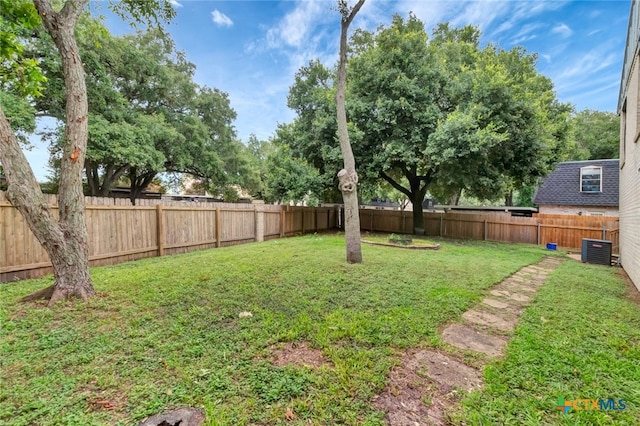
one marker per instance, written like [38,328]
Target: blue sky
[252,49]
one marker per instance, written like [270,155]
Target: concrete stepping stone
[515,288]
[515,278]
[464,337]
[490,320]
[519,297]
[495,303]
[447,372]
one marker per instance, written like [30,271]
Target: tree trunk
[138,183]
[508,199]
[418,186]
[71,277]
[66,241]
[455,198]
[417,197]
[418,218]
[100,186]
[348,177]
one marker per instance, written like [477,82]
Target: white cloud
[562,29]
[527,32]
[294,28]
[175,3]
[498,16]
[429,12]
[221,19]
[593,61]
[521,11]
[481,14]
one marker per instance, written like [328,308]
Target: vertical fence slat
[159,230]
[218,220]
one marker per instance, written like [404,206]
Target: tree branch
[395,184]
[72,11]
[348,16]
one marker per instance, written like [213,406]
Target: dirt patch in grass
[633,293]
[423,386]
[400,241]
[416,245]
[113,401]
[299,354]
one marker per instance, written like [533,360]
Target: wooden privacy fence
[564,230]
[119,232]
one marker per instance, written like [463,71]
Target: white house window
[591,179]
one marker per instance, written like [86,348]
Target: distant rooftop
[562,186]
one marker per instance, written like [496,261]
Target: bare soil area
[423,386]
[299,354]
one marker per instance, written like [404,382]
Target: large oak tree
[146,115]
[436,114]
[65,237]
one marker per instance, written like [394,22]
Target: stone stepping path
[421,388]
[487,326]
[427,382]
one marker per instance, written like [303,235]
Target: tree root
[54,295]
[45,294]
[80,293]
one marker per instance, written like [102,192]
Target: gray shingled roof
[562,186]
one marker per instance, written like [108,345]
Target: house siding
[630,154]
[573,210]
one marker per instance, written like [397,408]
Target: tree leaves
[18,74]
[597,135]
[437,113]
[147,116]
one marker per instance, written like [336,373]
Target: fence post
[538,233]
[282,219]
[371,220]
[485,229]
[218,227]
[258,208]
[159,230]
[302,211]
[604,232]
[441,218]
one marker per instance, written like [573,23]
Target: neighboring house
[629,110]
[587,188]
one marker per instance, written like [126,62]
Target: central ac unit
[596,251]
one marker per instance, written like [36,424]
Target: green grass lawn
[165,333]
